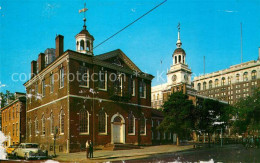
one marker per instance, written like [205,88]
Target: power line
[130,24]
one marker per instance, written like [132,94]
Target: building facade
[80,96]
[238,81]
[13,120]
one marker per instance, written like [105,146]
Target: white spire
[178,43]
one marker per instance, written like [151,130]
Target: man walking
[90,149]
[87,148]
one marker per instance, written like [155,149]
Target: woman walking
[87,148]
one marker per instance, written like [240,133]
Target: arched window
[82,45]
[131,124]
[210,84]
[36,126]
[102,121]
[83,121]
[142,125]
[229,80]
[43,125]
[216,83]
[179,58]
[204,85]
[61,121]
[245,76]
[175,59]
[88,45]
[51,124]
[253,75]
[223,81]
[237,77]
[199,86]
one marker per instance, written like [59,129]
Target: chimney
[59,45]
[33,68]
[41,61]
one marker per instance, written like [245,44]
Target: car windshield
[31,146]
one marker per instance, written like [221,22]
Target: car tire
[14,155]
[26,156]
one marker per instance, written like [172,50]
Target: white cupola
[84,41]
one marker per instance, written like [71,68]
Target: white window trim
[104,133]
[60,77]
[61,133]
[144,97]
[133,91]
[105,89]
[144,134]
[43,88]
[134,127]
[51,84]
[86,86]
[85,133]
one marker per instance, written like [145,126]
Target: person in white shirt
[87,148]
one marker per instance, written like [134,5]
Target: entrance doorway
[117,129]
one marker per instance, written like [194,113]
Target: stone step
[121,146]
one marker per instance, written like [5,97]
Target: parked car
[30,151]
[11,148]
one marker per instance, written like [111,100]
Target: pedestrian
[90,149]
[87,148]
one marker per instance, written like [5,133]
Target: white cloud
[133,10]
[228,11]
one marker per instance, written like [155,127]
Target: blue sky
[210,29]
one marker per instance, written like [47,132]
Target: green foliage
[5,96]
[179,115]
[212,115]
[248,113]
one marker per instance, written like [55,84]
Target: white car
[30,151]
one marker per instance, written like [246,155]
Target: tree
[179,115]
[5,97]
[248,113]
[212,115]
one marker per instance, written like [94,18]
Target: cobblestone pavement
[106,155]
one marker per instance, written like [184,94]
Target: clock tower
[179,75]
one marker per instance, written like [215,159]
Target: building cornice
[88,98]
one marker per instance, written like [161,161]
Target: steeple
[84,40]
[178,43]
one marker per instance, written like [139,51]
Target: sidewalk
[105,155]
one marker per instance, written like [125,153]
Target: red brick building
[104,98]
[13,120]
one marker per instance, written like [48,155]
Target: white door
[117,133]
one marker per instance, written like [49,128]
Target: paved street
[106,155]
[167,153]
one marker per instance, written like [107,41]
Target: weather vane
[179,26]
[84,10]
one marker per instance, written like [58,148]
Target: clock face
[174,77]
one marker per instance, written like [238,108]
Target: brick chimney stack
[33,68]
[41,61]
[59,45]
